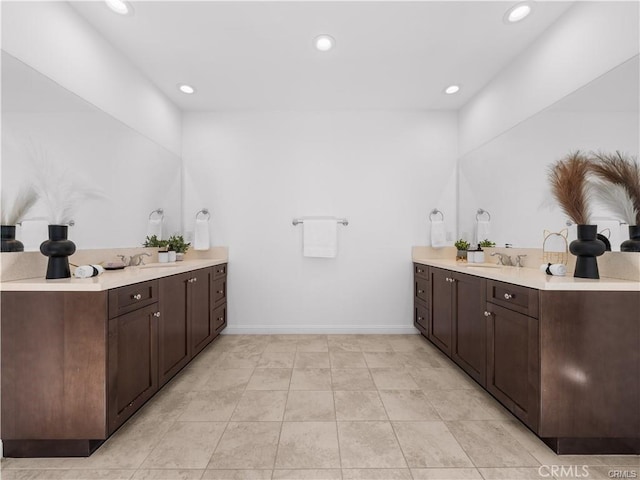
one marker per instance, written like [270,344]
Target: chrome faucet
[135,260]
[503,259]
[519,262]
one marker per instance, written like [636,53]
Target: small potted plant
[178,245]
[462,246]
[161,245]
[487,243]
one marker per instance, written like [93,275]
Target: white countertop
[110,278]
[531,277]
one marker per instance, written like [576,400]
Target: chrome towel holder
[435,211]
[481,212]
[297,221]
[205,212]
[157,211]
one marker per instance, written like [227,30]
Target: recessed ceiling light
[451,89]
[324,43]
[188,89]
[121,7]
[518,12]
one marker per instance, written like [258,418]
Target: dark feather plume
[568,178]
[620,170]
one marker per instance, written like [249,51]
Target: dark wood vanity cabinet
[76,365]
[422,298]
[458,325]
[513,361]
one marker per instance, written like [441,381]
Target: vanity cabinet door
[513,362]
[133,362]
[202,331]
[441,309]
[174,328]
[469,345]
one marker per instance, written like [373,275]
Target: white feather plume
[616,200]
[16,212]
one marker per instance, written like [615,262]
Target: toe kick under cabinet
[566,363]
[76,364]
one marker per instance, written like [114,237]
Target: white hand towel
[320,237]
[483,230]
[201,239]
[556,269]
[438,234]
[155,228]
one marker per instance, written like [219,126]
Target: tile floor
[321,407]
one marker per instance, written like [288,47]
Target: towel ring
[481,212]
[204,211]
[435,211]
[159,212]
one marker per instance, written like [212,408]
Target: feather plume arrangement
[16,212]
[569,185]
[60,191]
[623,171]
[615,199]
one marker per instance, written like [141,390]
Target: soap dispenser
[479,255]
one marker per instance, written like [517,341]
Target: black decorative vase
[587,247]
[9,242]
[631,245]
[58,249]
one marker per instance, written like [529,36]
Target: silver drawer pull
[221,318]
[156,314]
[487,314]
[220,292]
[508,296]
[137,296]
[419,319]
[420,291]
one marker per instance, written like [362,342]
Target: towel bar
[343,221]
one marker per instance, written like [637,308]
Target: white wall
[383,171]
[52,38]
[590,39]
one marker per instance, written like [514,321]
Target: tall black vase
[58,249]
[9,242]
[587,247]
[633,244]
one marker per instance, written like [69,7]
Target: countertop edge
[110,279]
[533,278]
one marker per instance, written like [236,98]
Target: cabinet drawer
[219,317]
[519,299]
[127,299]
[422,288]
[219,290]
[421,317]
[220,271]
[421,271]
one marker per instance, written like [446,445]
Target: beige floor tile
[343,343]
[111,474]
[369,445]
[446,474]
[311,360]
[521,473]
[602,473]
[488,444]
[247,445]
[442,379]
[229,379]
[260,406]
[362,405]
[310,379]
[270,379]
[374,343]
[310,474]
[33,474]
[408,343]
[463,405]
[393,379]
[407,405]
[240,359]
[166,406]
[352,379]
[384,359]
[421,359]
[620,460]
[308,445]
[187,380]
[429,444]
[191,474]
[376,474]
[341,359]
[282,346]
[186,445]
[276,360]
[211,406]
[316,344]
[237,475]
[305,406]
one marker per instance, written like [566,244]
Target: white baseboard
[319,329]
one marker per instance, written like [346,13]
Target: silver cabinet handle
[137,296]
[508,296]
[156,314]
[220,292]
[487,314]
[419,291]
[195,280]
